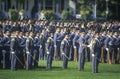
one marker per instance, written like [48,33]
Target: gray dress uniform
[109,48]
[14,46]
[1,48]
[6,47]
[50,52]
[65,52]
[29,51]
[95,49]
[82,51]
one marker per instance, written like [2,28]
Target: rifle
[102,55]
[108,55]
[19,61]
[12,52]
[75,54]
[55,52]
[113,57]
[65,56]
[32,56]
[24,55]
[96,58]
[40,50]
[118,56]
[3,60]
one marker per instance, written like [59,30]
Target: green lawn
[105,72]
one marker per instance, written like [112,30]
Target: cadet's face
[0,33]
[89,31]
[21,34]
[97,36]
[51,35]
[73,30]
[31,34]
[7,33]
[27,34]
[43,31]
[37,34]
[115,34]
[83,34]
[65,30]
[104,32]
[17,33]
[66,36]
[57,30]
[61,30]
[110,34]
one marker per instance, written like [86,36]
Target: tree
[13,14]
[105,8]
[47,14]
[66,14]
[85,8]
[108,8]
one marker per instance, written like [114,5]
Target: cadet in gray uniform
[49,51]
[65,51]
[82,51]
[95,48]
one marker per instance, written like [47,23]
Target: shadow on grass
[110,71]
[43,68]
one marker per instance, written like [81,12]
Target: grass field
[105,72]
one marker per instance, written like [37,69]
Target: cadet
[59,39]
[115,48]
[49,51]
[1,48]
[76,44]
[95,48]
[37,47]
[19,54]
[56,44]
[71,37]
[103,37]
[88,39]
[42,49]
[65,51]
[119,48]
[29,51]
[22,49]
[109,47]
[7,40]
[14,46]
[82,51]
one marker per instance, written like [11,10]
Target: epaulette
[62,42]
[13,39]
[48,40]
[27,40]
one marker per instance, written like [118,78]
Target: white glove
[118,49]
[55,46]
[48,52]
[12,52]
[27,52]
[62,53]
[88,45]
[40,46]
[93,55]
[107,49]
[74,47]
